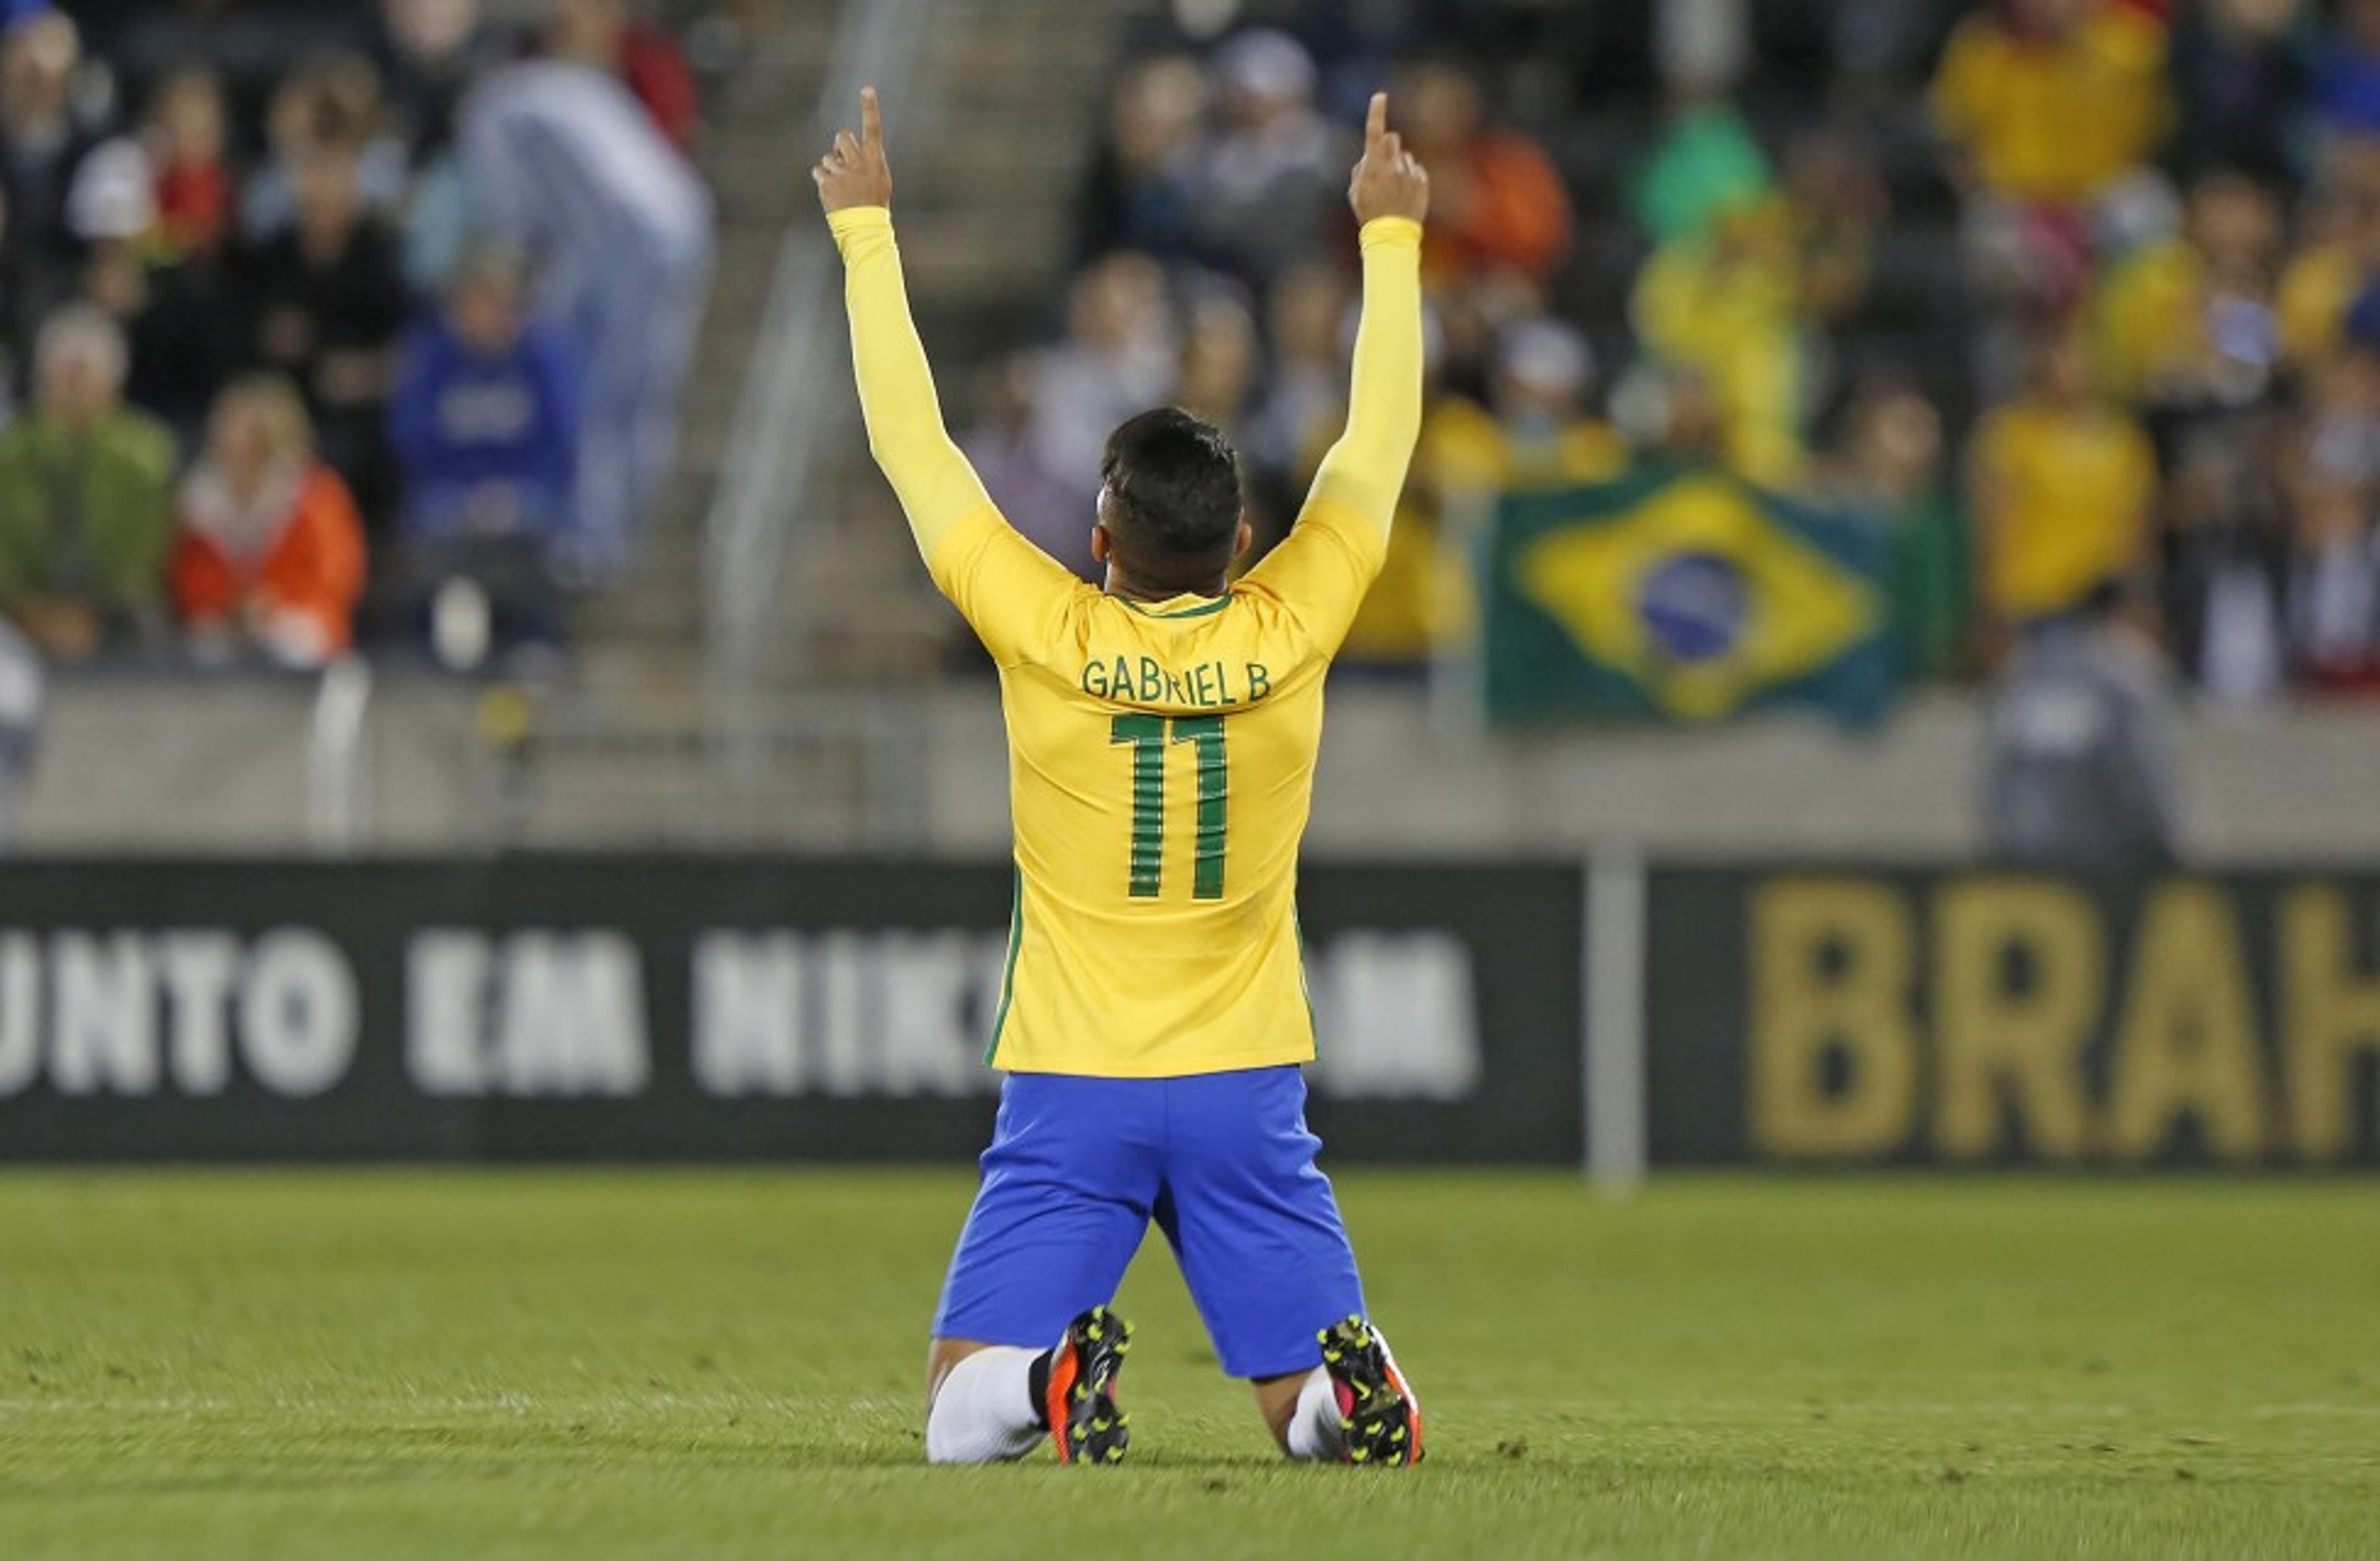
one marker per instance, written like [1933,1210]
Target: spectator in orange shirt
[1496,204]
[648,61]
[271,555]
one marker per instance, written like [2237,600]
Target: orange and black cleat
[1084,1424]
[1379,1420]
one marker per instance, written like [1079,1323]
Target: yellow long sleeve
[937,488]
[1366,470]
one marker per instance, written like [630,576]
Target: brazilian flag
[1684,595]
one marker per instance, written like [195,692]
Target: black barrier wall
[674,1008]
[578,1008]
[1975,1018]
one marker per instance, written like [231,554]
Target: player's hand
[853,171]
[1387,182]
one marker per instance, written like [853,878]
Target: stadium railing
[796,406]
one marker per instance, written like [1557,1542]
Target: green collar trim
[1203,609]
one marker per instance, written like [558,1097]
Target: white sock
[1314,1433]
[1314,1430]
[983,1412]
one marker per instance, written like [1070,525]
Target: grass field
[681,1364]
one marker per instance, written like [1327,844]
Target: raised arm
[937,487]
[1366,470]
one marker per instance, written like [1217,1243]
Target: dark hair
[1174,482]
[2111,597]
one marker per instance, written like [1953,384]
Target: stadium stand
[1667,243]
[275,189]
[1911,236]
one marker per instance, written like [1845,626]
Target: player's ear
[1102,545]
[1246,539]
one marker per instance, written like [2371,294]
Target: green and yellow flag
[1684,595]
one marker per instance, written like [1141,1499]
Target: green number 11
[1149,735]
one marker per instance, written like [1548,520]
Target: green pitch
[694,1364]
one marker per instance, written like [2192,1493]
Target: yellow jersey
[2054,122]
[1160,753]
[2148,319]
[2317,289]
[2071,494]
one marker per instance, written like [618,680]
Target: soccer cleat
[1084,1424]
[1378,1420]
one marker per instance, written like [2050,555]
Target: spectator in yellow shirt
[1538,436]
[1728,306]
[2339,260]
[2190,320]
[2062,490]
[2050,102]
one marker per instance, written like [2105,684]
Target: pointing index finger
[1376,122]
[871,118]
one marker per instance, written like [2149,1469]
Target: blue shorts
[1221,1162]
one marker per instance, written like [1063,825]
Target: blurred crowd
[321,321]
[2066,297]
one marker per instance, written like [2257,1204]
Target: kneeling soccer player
[1162,736]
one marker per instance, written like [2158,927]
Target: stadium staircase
[648,636]
[985,225]
[631,749]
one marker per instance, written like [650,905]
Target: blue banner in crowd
[1684,595]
